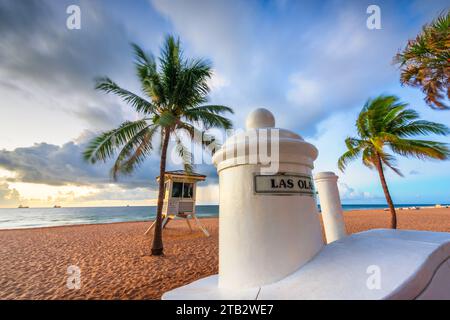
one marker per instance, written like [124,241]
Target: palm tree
[425,62]
[384,123]
[177,90]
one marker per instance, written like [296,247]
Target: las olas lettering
[284,183]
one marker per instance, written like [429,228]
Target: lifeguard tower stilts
[179,198]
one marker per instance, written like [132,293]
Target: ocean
[18,218]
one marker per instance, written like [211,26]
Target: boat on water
[56,206]
[22,207]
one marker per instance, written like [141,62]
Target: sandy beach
[114,258]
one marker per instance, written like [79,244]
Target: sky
[312,63]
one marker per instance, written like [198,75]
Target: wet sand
[115,262]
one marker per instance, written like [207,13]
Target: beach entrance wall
[270,238]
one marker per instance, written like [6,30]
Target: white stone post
[330,205]
[269,223]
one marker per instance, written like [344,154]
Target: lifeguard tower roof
[182,173]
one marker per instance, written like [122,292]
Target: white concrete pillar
[269,224]
[330,205]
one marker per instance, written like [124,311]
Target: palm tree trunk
[386,192]
[157,246]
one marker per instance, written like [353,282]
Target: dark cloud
[39,54]
[36,44]
[21,16]
[101,117]
[304,60]
[63,165]
[51,164]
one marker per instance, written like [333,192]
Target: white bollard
[269,223]
[330,205]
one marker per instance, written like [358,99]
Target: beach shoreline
[114,258]
[150,216]
[86,224]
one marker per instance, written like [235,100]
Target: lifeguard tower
[179,198]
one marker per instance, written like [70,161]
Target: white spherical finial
[260,118]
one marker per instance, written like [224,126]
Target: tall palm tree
[176,91]
[385,123]
[425,62]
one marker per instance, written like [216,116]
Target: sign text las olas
[284,183]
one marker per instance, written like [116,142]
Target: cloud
[217,81]
[55,165]
[55,55]
[282,56]
[39,56]
[8,196]
[100,117]
[114,192]
[215,27]
[304,91]
[348,193]
[313,64]
[45,174]
[208,194]
[49,164]
[414,172]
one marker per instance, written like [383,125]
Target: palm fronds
[184,154]
[425,62]
[139,104]
[348,156]
[177,91]
[385,122]
[134,152]
[105,145]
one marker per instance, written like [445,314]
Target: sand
[114,258]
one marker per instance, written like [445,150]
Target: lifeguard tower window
[177,189]
[188,190]
[180,189]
